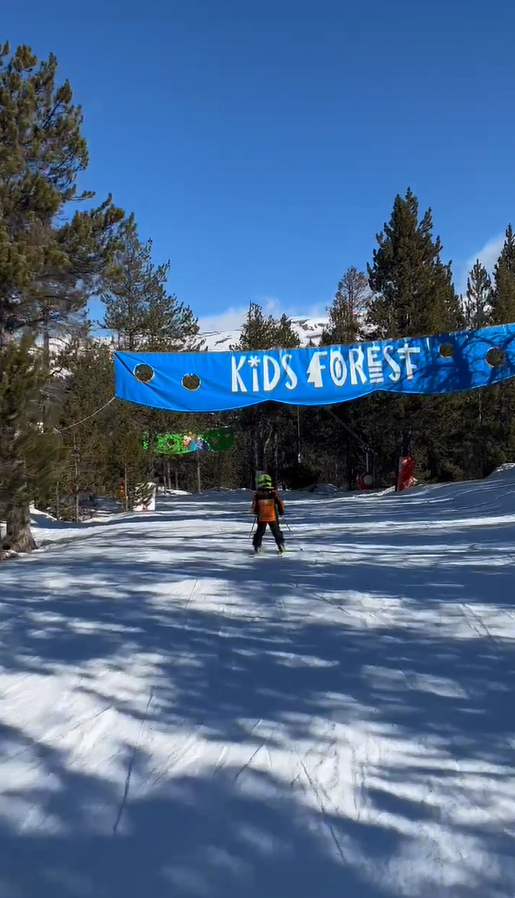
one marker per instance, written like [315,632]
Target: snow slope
[308,329]
[181,720]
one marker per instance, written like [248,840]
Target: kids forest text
[372,364]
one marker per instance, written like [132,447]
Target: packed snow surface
[179,719]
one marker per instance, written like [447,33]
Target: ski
[268,554]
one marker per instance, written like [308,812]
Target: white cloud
[232,318]
[488,255]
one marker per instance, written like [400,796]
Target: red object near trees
[405,475]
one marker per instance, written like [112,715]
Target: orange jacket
[266,505]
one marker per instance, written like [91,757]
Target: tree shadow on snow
[390,647]
[223,833]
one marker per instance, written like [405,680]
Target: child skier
[267,506]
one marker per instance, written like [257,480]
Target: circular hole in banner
[144,373]
[191,382]
[447,350]
[495,357]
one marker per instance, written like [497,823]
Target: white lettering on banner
[271,369]
[237,384]
[405,353]
[270,383]
[254,363]
[394,365]
[293,379]
[356,359]
[375,367]
[337,368]
[315,369]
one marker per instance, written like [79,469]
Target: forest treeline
[61,433]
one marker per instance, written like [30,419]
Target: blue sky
[261,145]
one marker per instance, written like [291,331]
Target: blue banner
[219,381]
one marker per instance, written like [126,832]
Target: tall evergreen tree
[473,438]
[503,294]
[347,311]
[346,317]
[413,296]
[499,419]
[478,297]
[84,459]
[27,456]
[144,316]
[284,334]
[47,265]
[259,331]
[413,290]
[139,309]
[268,424]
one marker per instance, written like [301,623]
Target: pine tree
[413,291]
[473,435]
[269,425]
[503,294]
[284,334]
[347,311]
[139,309]
[84,458]
[47,266]
[102,452]
[499,405]
[346,317]
[478,297]
[131,466]
[27,454]
[258,331]
[414,296]
[144,316]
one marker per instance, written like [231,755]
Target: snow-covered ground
[181,720]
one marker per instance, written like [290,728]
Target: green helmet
[265,481]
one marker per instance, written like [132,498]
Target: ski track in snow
[178,718]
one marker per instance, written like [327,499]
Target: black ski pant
[260,532]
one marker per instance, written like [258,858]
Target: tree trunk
[199,479]
[253,452]
[76,478]
[126,488]
[19,536]
[46,357]
[276,457]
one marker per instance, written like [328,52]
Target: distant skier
[267,506]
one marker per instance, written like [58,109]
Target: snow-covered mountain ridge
[308,329]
